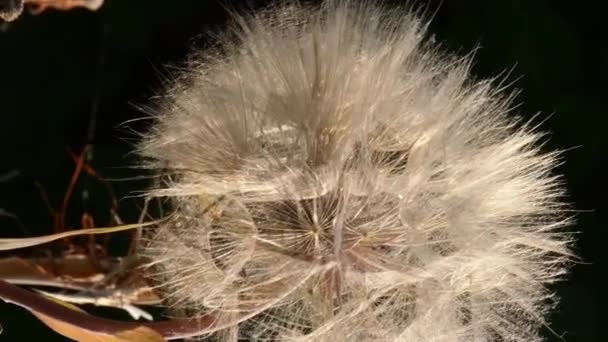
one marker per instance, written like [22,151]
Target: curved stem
[170,330]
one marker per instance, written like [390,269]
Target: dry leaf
[115,282]
[67,4]
[73,271]
[72,322]
[12,9]
[10,244]
[80,333]
[139,334]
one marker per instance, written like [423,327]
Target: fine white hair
[334,176]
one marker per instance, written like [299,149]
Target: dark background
[72,78]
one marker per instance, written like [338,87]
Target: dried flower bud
[334,177]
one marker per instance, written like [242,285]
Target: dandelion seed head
[334,176]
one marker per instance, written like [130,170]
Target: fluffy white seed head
[333,177]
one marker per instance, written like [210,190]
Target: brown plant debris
[12,9]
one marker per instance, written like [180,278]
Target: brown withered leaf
[139,334]
[106,281]
[74,272]
[16,243]
[84,327]
[77,333]
[12,9]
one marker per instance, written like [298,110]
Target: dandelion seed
[335,177]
